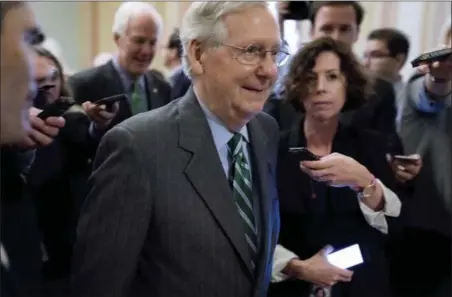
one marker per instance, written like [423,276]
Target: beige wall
[84,28]
[86,32]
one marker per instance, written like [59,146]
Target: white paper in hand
[346,258]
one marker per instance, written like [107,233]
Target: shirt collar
[221,134]
[125,76]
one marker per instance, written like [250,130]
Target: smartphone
[347,257]
[56,108]
[430,57]
[407,159]
[109,101]
[303,154]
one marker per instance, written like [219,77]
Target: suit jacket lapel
[117,87]
[195,136]
[153,92]
[260,155]
[114,80]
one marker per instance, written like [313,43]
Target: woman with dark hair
[53,84]
[58,174]
[342,198]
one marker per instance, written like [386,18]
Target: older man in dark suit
[137,27]
[183,199]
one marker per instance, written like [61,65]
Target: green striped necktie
[242,191]
[137,103]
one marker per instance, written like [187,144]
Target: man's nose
[268,67]
[147,48]
[336,35]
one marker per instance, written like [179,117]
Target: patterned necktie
[137,103]
[242,191]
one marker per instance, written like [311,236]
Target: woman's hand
[318,270]
[338,170]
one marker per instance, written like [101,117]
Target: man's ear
[116,39]
[401,59]
[195,55]
[358,30]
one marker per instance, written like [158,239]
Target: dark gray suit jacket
[103,81]
[160,218]
[430,135]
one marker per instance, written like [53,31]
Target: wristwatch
[369,190]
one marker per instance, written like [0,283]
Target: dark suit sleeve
[75,84]
[166,89]
[85,86]
[78,129]
[379,113]
[114,219]
[181,84]
[378,165]
[386,111]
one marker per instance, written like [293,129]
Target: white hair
[128,10]
[102,58]
[203,22]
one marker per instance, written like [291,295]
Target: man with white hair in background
[137,28]
[183,199]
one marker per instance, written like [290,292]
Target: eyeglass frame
[261,56]
[377,55]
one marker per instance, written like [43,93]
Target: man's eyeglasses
[255,54]
[376,55]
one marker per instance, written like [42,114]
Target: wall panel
[65,22]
